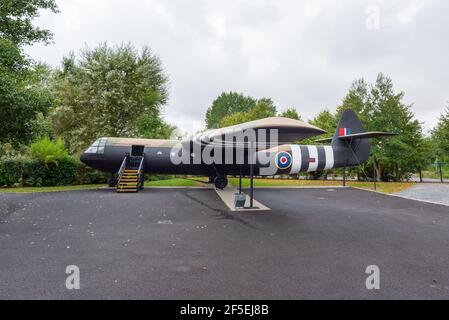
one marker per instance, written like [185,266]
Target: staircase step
[130,181]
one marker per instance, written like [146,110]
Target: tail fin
[349,141]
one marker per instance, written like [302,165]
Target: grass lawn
[52,189]
[387,187]
[175,183]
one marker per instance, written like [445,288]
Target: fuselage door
[137,151]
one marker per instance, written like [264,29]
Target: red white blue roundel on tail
[283,160]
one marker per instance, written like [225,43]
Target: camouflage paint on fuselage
[107,154]
[158,158]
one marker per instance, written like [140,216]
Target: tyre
[221,182]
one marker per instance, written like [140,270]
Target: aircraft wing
[289,130]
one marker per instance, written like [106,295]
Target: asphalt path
[433,192]
[186,244]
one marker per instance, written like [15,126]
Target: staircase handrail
[122,169]
[141,169]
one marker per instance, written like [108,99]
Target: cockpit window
[98,146]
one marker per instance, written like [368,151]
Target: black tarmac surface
[185,244]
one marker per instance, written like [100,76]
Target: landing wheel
[221,182]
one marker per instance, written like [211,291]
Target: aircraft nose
[92,160]
[85,158]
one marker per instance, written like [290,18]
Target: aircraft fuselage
[158,159]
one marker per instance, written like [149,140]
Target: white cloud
[406,15]
[303,55]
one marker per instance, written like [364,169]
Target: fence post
[240,180]
[441,172]
[374,174]
[420,175]
[344,177]
[252,186]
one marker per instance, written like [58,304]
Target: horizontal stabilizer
[327,140]
[363,135]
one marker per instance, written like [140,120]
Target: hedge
[34,173]
[87,175]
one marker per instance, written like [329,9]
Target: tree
[153,127]
[233,119]
[291,113]
[264,108]
[24,95]
[225,105]
[357,100]
[399,156]
[327,121]
[16,21]
[440,136]
[380,108]
[108,92]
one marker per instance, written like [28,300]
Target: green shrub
[49,151]
[61,174]
[35,173]
[11,172]
[87,175]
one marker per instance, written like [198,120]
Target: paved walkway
[437,193]
[186,244]
[227,196]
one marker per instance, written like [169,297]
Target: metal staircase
[131,174]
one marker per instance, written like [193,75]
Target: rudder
[352,151]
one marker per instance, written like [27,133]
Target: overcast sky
[302,54]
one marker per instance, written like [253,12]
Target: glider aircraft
[258,153]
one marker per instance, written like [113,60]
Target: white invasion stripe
[313,154]
[329,157]
[296,159]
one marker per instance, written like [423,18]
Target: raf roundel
[283,160]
